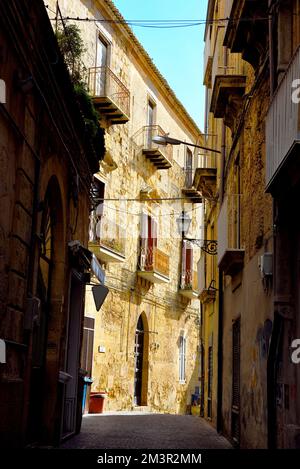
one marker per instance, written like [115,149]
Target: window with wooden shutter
[88,345]
[148,241]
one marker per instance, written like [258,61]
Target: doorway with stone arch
[45,338]
[141,361]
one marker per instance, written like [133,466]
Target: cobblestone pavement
[146,431]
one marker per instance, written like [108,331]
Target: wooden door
[236,353]
[138,362]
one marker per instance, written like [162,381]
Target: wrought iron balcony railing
[230,236]
[110,94]
[189,189]
[189,280]
[107,240]
[160,155]
[154,264]
[206,176]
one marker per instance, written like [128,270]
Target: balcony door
[150,123]
[187,264]
[188,168]
[148,241]
[101,62]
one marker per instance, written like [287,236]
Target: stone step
[141,408]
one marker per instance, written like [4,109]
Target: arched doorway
[141,363]
[50,251]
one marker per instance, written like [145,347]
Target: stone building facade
[282,182]
[46,167]
[252,76]
[142,347]
[241,219]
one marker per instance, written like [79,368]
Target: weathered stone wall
[31,154]
[247,296]
[125,172]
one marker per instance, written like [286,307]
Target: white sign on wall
[2,351]
[2,92]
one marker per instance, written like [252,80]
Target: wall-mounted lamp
[166,140]
[183,225]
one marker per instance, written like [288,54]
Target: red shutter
[144,240]
[189,264]
[183,264]
[154,232]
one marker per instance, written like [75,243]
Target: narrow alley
[136,430]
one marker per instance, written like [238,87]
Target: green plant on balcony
[113,244]
[72,48]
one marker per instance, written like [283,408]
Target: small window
[150,113]
[182,358]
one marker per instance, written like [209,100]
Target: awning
[96,268]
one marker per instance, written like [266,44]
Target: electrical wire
[161,199]
[161,23]
[109,207]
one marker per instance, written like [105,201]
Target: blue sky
[178,52]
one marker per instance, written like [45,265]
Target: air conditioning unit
[265,263]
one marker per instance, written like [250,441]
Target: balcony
[160,155]
[206,294]
[247,37]
[229,84]
[205,179]
[189,284]
[107,240]
[154,265]
[110,95]
[283,129]
[189,190]
[231,250]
